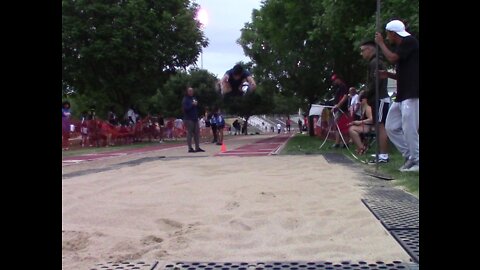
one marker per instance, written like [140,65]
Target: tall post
[377,84]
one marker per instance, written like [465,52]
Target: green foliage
[277,41]
[297,44]
[126,49]
[405,10]
[168,99]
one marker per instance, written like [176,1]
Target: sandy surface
[221,209]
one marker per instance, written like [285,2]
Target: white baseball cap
[397,27]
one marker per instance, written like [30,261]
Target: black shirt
[341,90]
[235,84]
[382,83]
[407,69]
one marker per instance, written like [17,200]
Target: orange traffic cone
[224,148]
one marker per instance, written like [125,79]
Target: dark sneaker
[191,150]
[199,150]
[335,145]
[219,143]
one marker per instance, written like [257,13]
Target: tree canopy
[296,45]
[123,51]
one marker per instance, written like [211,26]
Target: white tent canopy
[316,109]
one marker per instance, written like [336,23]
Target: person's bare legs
[354,132]
[220,135]
[337,137]
[383,139]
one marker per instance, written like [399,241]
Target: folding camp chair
[339,122]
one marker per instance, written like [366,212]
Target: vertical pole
[377,81]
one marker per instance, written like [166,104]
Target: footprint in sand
[289,223]
[239,225]
[232,205]
[265,197]
[268,194]
[161,254]
[127,257]
[168,225]
[74,240]
[151,240]
[178,243]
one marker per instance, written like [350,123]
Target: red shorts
[343,123]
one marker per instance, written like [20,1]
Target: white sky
[225,19]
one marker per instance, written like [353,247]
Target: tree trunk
[311,130]
[245,125]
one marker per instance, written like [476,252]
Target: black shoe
[191,150]
[335,146]
[219,143]
[199,150]
[214,141]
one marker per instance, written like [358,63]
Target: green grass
[303,144]
[94,150]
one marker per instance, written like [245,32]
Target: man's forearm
[225,87]
[340,103]
[391,56]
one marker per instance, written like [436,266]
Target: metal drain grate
[321,265]
[337,158]
[409,239]
[390,194]
[125,266]
[394,215]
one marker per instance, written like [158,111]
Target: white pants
[402,127]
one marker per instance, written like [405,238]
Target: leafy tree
[126,50]
[298,44]
[168,99]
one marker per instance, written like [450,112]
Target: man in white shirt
[131,116]
[354,106]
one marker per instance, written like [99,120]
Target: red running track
[263,147]
[116,153]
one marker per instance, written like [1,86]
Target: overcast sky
[225,19]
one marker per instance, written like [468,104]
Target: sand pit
[221,209]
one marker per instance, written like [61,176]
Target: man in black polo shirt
[403,117]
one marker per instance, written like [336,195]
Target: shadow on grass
[303,144]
